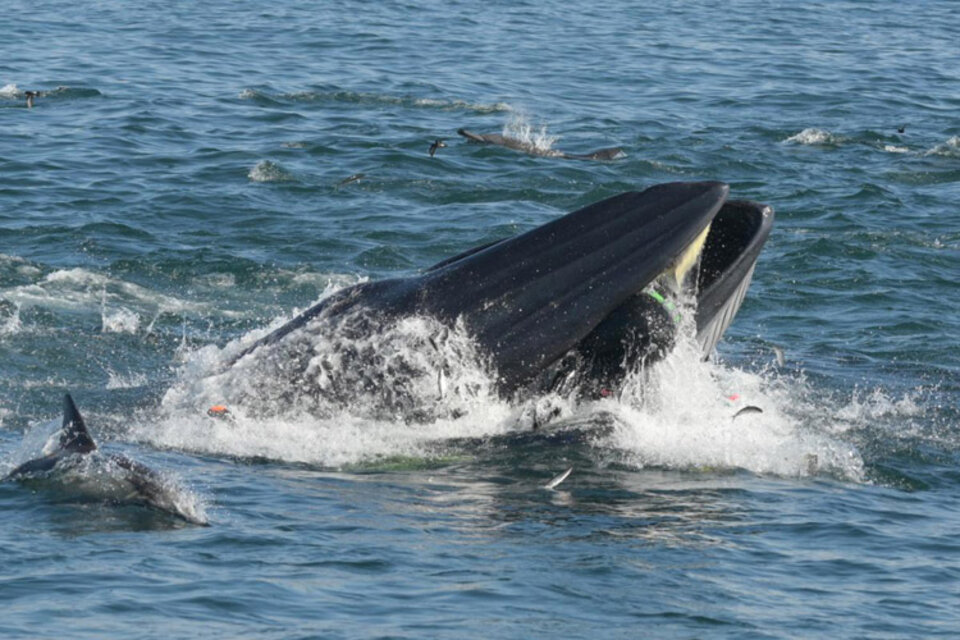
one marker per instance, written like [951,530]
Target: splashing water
[519,128]
[267,171]
[10,91]
[414,370]
[9,318]
[347,390]
[117,380]
[119,320]
[686,420]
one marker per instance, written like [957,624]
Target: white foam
[330,282]
[10,91]
[813,136]
[874,405]
[890,148]
[130,381]
[10,323]
[28,271]
[80,289]
[423,368]
[119,321]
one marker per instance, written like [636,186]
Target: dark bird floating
[437,144]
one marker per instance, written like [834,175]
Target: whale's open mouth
[707,278]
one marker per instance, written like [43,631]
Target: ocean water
[183,182]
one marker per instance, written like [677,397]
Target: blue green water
[177,185]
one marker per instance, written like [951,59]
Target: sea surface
[192,173]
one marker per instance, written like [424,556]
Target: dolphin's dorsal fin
[74,436]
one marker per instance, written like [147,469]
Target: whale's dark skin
[571,293]
[499,140]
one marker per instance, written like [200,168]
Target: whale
[76,465]
[496,139]
[571,306]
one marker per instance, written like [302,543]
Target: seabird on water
[437,144]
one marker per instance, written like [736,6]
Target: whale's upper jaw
[529,299]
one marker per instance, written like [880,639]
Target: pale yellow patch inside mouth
[674,276]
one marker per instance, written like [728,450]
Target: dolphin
[613,153]
[572,305]
[75,463]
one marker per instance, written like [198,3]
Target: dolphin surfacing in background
[75,463]
[496,139]
[584,296]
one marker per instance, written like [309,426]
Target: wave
[947,149]
[267,171]
[355,97]
[950,148]
[18,266]
[463,105]
[120,303]
[814,136]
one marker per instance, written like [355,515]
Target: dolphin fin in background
[115,479]
[74,436]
